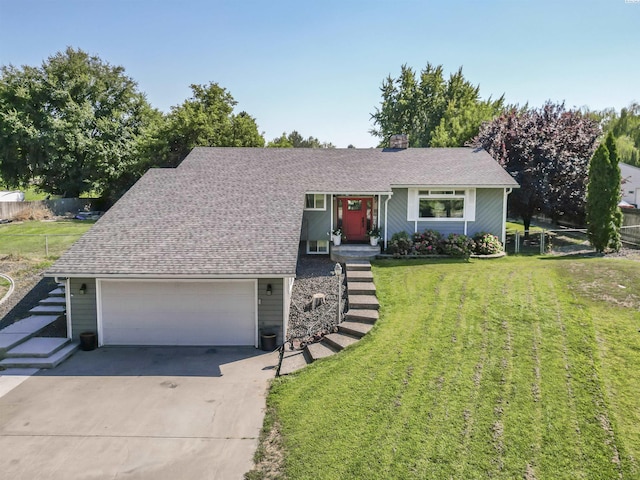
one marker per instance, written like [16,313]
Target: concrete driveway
[137,413]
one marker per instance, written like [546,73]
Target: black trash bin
[268,342]
[88,341]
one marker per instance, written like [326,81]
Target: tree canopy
[295,140]
[604,217]
[71,125]
[547,151]
[625,127]
[204,120]
[434,112]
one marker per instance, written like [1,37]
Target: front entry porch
[352,252]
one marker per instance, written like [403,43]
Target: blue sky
[317,66]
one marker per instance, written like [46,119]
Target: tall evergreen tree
[604,217]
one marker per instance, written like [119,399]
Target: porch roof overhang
[351,193]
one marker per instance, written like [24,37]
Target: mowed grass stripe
[475,370]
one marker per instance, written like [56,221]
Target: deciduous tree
[204,120]
[71,125]
[547,151]
[295,140]
[434,112]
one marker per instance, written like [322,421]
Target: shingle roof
[238,211]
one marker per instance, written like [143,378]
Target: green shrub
[400,244]
[427,242]
[458,245]
[487,244]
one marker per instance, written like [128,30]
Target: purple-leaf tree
[547,151]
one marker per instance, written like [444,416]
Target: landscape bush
[487,244]
[427,243]
[458,245]
[431,242]
[400,244]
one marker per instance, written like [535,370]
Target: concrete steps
[316,351]
[20,347]
[38,347]
[48,309]
[51,361]
[363,316]
[363,302]
[349,253]
[359,320]
[355,329]
[361,288]
[339,341]
[359,276]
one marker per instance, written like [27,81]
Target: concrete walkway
[137,413]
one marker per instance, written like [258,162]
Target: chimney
[400,140]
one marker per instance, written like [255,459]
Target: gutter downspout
[386,226]
[507,191]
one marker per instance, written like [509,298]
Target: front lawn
[522,367]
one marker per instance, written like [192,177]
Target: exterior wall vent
[400,140]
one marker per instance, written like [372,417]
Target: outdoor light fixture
[83,288]
[269,289]
[337,269]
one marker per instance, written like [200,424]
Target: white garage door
[178,313]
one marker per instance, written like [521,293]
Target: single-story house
[206,253]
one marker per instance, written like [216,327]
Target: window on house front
[318,246]
[441,204]
[314,201]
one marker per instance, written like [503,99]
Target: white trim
[153,276]
[452,187]
[287,285]
[353,193]
[315,209]
[256,306]
[309,252]
[507,191]
[386,224]
[331,216]
[67,300]
[413,204]
[99,311]
[132,280]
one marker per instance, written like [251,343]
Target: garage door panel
[178,313]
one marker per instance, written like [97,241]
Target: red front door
[354,218]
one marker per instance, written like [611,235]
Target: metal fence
[562,240]
[36,245]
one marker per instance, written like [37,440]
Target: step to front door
[38,347]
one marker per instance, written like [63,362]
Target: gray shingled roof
[238,211]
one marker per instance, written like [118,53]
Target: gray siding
[316,224]
[397,218]
[270,307]
[489,211]
[83,307]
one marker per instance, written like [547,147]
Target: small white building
[13,196]
[630,183]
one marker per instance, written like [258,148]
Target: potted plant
[374,236]
[336,236]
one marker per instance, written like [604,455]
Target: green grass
[522,367]
[28,239]
[513,226]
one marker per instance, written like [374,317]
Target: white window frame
[317,251]
[441,193]
[316,197]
